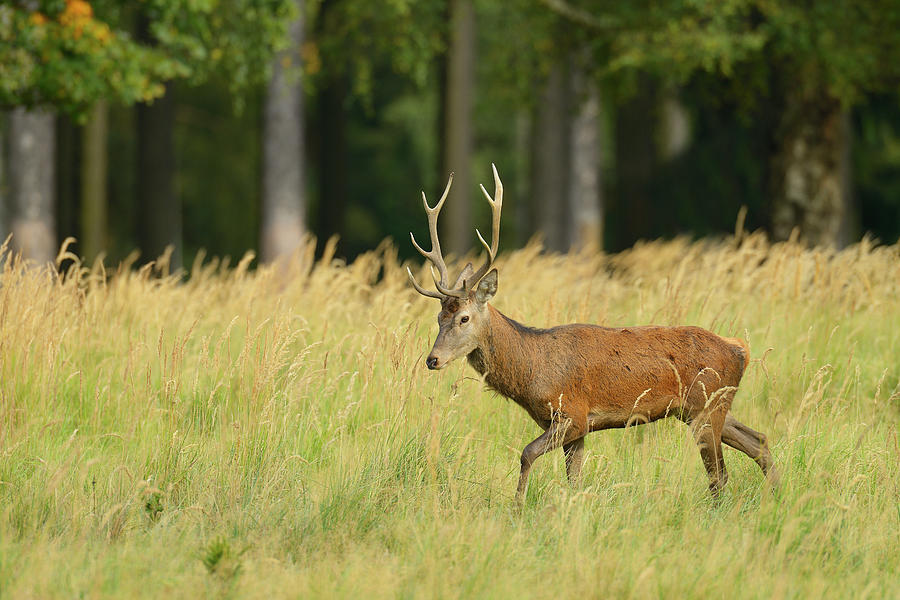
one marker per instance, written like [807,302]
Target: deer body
[603,377]
[574,379]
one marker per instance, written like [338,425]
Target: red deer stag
[575,379]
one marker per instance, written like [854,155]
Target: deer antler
[467,284]
[496,207]
[435,256]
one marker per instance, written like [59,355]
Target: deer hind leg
[752,443]
[574,452]
[560,432]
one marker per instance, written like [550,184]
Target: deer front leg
[558,433]
[709,440]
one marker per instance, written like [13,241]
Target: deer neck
[505,356]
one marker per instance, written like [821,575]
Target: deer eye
[464,319]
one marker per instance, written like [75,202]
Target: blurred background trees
[231,125]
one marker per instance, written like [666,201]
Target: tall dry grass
[272,433]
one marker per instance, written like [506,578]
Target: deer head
[464,319]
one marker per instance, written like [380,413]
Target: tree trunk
[93,182]
[456,221]
[806,170]
[330,128]
[332,158]
[850,224]
[636,159]
[585,191]
[522,211]
[4,192]
[283,198]
[159,208]
[68,161]
[550,161]
[32,182]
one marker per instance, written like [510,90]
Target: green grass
[274,434]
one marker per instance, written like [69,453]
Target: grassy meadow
[273,433]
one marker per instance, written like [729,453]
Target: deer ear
[467,273]
[487,287]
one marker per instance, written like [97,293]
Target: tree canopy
[844,48]
[70,53]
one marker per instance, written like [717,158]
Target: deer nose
[431,362]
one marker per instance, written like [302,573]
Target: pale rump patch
[744,349]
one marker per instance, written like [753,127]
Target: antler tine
[496,206]
[435,256]
[437,207]
[420,289]
[458,293]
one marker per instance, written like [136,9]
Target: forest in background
[235,125]
[269,430]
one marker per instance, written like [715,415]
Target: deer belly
[644,409]
[611,418]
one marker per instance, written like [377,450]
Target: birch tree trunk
[32,183]
[807,180]
[283,198]
[585,190]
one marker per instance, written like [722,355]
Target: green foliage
[354,36]
[518,42]
[234,39]
[221,559]
[70,53]
[153,505]
[68,58]
[676,39]
[845,48]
